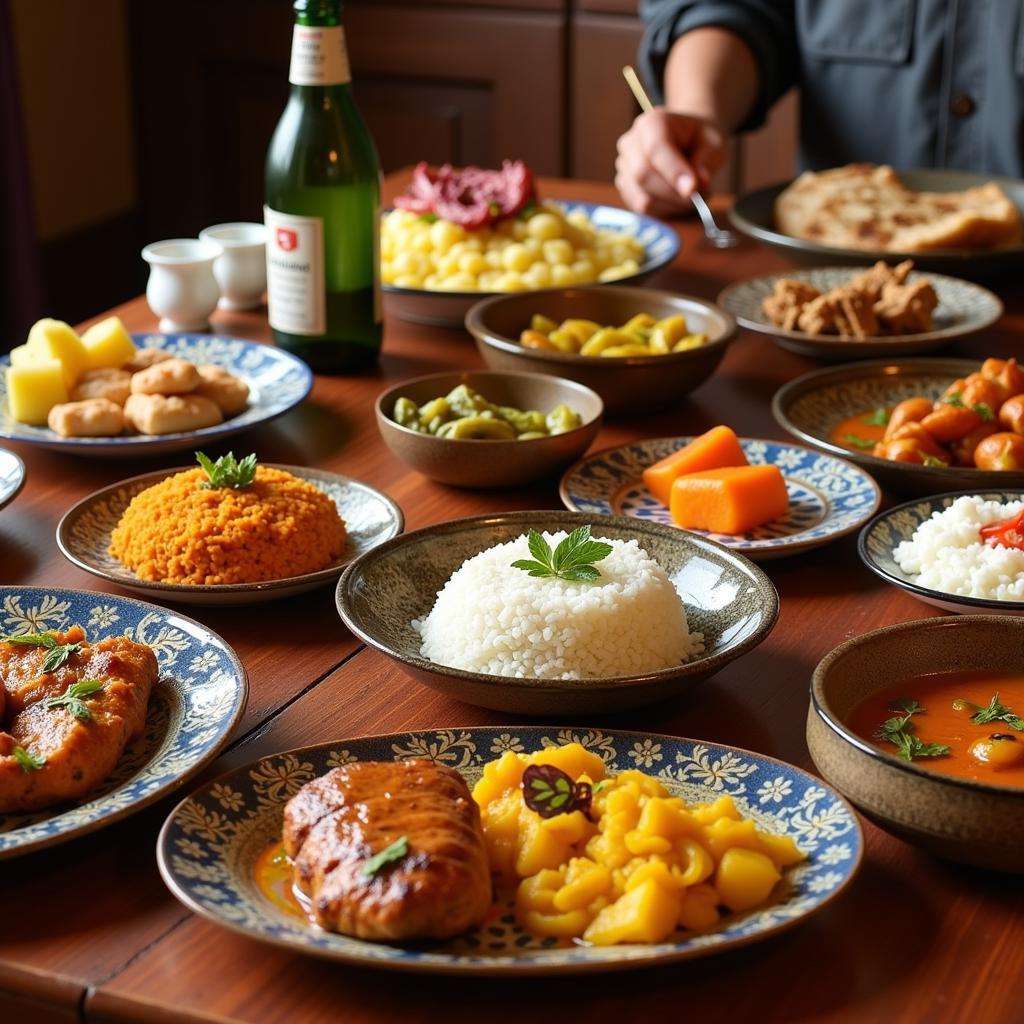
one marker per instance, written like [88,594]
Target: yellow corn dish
[546,249]
[641,335]
[641,865]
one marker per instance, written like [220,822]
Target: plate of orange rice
[230,532]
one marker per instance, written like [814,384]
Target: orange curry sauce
[273,876]
[942,723]
[858,433]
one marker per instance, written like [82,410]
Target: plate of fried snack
[107,392]
[511,850]
[230,531]
[842,313]
[107,704]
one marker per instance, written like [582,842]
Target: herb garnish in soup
[966,724]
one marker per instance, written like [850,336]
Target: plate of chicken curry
[106,705]
[510,850]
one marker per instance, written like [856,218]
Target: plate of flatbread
[957,221]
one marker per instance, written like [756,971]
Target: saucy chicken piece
[440,887]
[74,753]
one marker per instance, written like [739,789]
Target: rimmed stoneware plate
[814,405]
[727,598]
[754,215]
[880,537]
[194,707]
[277,380]
[83,536]
[12,476]
[208,847]
[964,309]
[449,309]
[828,497]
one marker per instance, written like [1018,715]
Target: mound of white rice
[947,554]
[491,617]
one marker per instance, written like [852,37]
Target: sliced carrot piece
[732,499]
[718,447]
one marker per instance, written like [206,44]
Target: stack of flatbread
[865,206]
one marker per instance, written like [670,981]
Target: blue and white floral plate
[277,380]
[880,537]
[448,309]
[194,706]
[83,536]
[828,497]
[208,846]
[12,476]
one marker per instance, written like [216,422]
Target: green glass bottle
[323,206]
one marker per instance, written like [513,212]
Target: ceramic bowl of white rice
[932,548]
[447,604]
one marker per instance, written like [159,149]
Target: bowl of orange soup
[921,726]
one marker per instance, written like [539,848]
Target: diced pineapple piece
[584,882]
[573,759]
[34,389]
[21,356]
[107,344]
[700,908]
[56,340]
[538,847]
[745,878]
[645,914]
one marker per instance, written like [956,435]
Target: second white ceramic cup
[181,288]
[241,267]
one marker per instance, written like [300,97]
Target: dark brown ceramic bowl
[727,598]
[491,463]
[971,822]
[632,384]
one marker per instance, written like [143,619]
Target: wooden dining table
[90,932]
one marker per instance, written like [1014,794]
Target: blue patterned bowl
[879,538]
[812,406]
[209,844]
[277,380]
[193,709]
[828,497]
[12,476]
[449,309]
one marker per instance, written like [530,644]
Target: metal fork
[720,238]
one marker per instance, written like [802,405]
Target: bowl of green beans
[488,429]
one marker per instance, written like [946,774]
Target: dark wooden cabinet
[463,81]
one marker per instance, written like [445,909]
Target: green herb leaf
[879,418]
[72,698]
[931,460]
[859,442]
[548,791]
[32,640]
[396,851]
[984,410]
[571,560]
[227,471]
[900,732]
[955,400]
[29,762]
[996,712]
[58,655]
[604,783]
[429,217]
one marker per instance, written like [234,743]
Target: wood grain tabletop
[90,932]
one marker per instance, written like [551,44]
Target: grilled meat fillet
[335,824]
[79,752]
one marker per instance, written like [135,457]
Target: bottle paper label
[319,56]
[296,290]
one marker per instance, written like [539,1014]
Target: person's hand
[663,158]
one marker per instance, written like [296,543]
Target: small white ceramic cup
[182,290]
[241,268]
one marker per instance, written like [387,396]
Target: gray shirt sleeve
[767,26]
